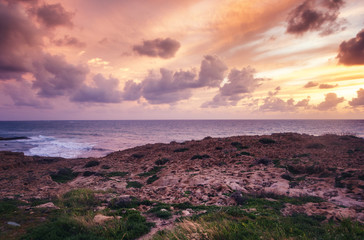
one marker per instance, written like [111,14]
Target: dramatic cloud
[327,86]
[330,103]
[55,77]
[315,15]
[54,15]
[240,83]
[105,91]
[19,43]
[352,52]
[69,41]
[359,101]
[22,94]
[212,72]
[272,103]
[163,48]
[310,85]
[169,87]
[132,91]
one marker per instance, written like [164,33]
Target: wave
[50,146]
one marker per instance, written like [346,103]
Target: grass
[315,146]
[197,156]
[151,172]
[138,155]
[64,175]
[162,161]
[152,179]
[238,146]
[93,163]
[134,184]
[267,141]
[181,150]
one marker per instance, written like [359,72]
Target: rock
[14,224]
[100,219]
[47,205]
[185,213]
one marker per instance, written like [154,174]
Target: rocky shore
[210,172]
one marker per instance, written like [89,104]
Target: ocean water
[71,139]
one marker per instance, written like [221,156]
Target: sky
[181,59]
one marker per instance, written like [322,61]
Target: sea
[72,139]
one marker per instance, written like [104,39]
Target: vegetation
[161,161]
[134,184]
[64,175]
[315,146]
[137,155]
[181,150]
[151,172]
[92,163]
[238,146]
[197,156]
[267,141]
[152,179]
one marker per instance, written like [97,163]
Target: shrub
[161,161]
[218,148]
[137,155]
[134,184]
[151,172]
[88,173]
[63,175]
[267,141]
[181,150]
[105,167]
[315,146]
[197,156]
[91,164]
[245,154]
[238,146]
[287,177]
[79,199]
[152,179]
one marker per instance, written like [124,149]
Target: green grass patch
[137,155]
[181,150]
[134,184]
[315,146]
[162,161]
[238,146]
[267,141]
[197,156]
[63,175]
[152,179]
[93,163]
[151,172]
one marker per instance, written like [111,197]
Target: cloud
[132,91]
[358,101]
[163,48]
[272,103]
[240,83]
[310,84]
[20,42]
[104,91]
[315,15]
[54,15]
[352,52]
[330,103]
[22,94]
[69,42]
[327,86]
[55,77]
[169,87]
[212,72]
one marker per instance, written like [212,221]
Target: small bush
[79,199]
[134,184]
[267,141]
[91,164]
[137,155]
[238,146]
[151,172]
[264,161]
[245,154]
[105,167]
[161,161]
[64,175]
[197,156]
[218,148]
[287,177]
[301,155]
[315,146]
[88,173]
[152,179]
[181,150]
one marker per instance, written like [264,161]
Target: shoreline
[208,172]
